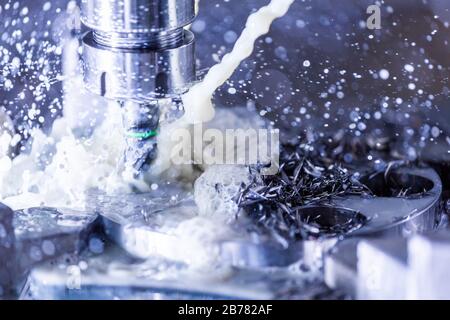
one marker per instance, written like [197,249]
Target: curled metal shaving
[303,179]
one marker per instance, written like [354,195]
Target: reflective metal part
[390,220]
[140,223]
[138,75]
[428,261]
[146,229]
[139,230]
[350,216]
[115,275]
[395,214]
[137,16]
[249,254]
[271,253]
[162,40]
[382,269]
[35,235]
[368,268]
[340,267]
[391,267]
[44,233]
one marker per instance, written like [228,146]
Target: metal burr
[139,53]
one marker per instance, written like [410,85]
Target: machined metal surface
[391,267]
[340,266]
[34,235]
[116,275]
[369,268]
[387,213]
[382,268]
[144,224]
[146,229]
[428,260]
[358,216]
[44,233]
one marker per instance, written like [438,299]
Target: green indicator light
[142,135]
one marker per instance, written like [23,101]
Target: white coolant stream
[197,101]
[78,164]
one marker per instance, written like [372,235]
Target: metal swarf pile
[303,179]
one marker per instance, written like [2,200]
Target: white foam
[217,188]
[74,166]
[198,239]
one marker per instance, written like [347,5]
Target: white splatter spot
[384,74]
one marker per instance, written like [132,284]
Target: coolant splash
[62,166]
